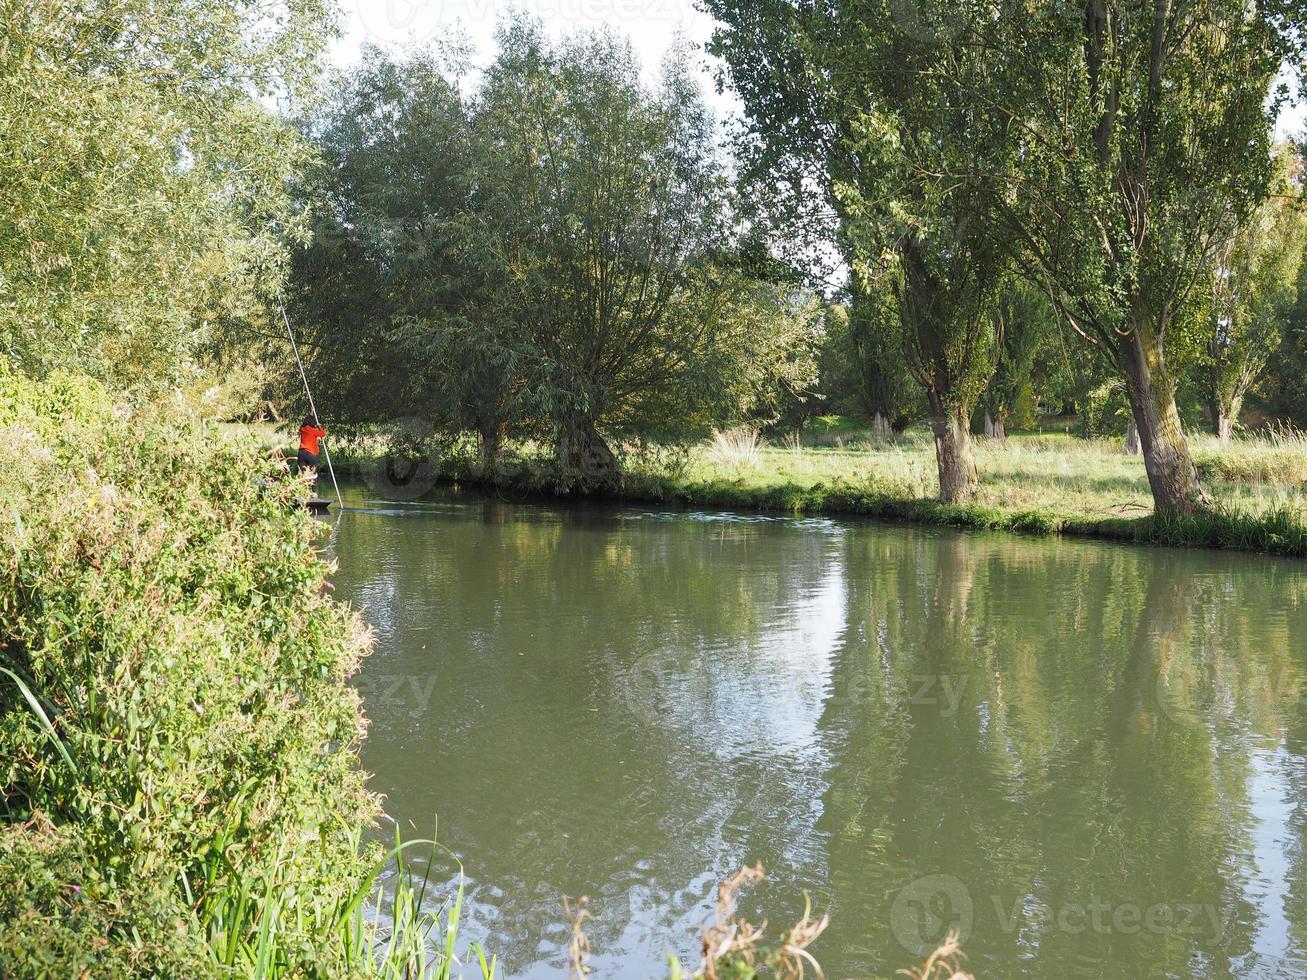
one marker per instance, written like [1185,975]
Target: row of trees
[1238,334]
[554,253]
[1113,155]
[1086,193]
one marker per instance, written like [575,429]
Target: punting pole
[312,408]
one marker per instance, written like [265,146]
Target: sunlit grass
[1075,477]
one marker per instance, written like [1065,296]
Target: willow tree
[1144,136]
[144,187]
[1247,297]
[605,203]
[880,93]
[398,293]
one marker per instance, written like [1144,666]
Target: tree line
[1057,206]
[1114,155]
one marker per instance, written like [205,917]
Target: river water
[1089,759]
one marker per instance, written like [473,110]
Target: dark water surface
[1090,759]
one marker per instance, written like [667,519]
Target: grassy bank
[1049,483]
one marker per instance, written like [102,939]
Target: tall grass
[400,934]
[735,449]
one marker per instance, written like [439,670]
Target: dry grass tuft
[725,935]
[578,944]
[733,947]
[736,449]
[943,964]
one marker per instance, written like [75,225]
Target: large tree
[550,254]
[398,293]
[144,187]
[849,99]
[1247,298]
[606,207]
[1144,143]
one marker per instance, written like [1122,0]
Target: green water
[1089,759]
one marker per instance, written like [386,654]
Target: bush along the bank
[180,792]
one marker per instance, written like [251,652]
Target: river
[1089,759]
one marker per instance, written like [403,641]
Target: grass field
[1051,471]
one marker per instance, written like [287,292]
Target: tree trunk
[490,439]
[1224,416]
[995,428]
[1068,408]
[583,458]
[880,425]
[1132,440]
[957,466]
[1221,426]
[1172,475]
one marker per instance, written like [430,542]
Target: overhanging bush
[174,714]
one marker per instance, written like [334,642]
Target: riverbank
[1045,484]
[180,784]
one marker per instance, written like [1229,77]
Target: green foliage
[1024,323]
[900,165]
[864,372]
[1104,411]
[60,917]
[1107,150]
[1280,532]
[1144,144]
[144,191]
[395,297]
[1238,316]
[549,256]
[179,779]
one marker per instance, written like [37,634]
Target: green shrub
[178,740]
[59,917]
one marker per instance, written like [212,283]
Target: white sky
[652,25]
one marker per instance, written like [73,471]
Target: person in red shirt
[310,433]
